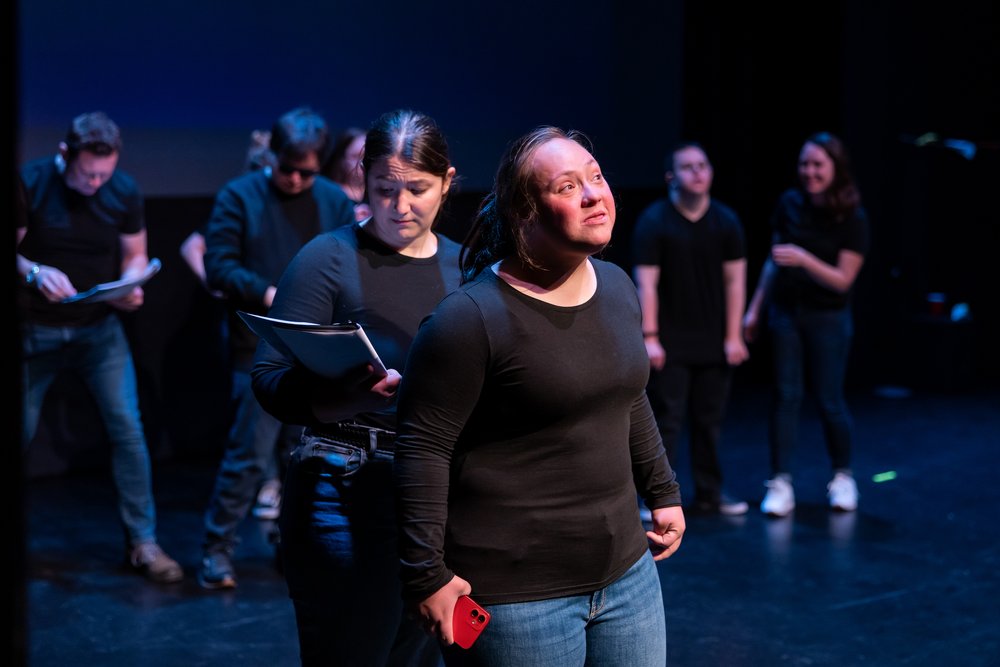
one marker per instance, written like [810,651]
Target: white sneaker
[843,493]
[779,499]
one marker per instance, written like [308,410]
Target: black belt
[368,438]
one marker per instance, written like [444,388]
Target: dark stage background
[189,80]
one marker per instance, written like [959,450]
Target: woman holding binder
[338,528]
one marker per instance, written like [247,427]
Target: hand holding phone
[468,621]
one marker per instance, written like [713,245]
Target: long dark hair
[842,197]
[497,231]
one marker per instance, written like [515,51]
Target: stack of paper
[329,350]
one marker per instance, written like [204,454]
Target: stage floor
[911,578]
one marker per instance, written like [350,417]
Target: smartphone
[468,621]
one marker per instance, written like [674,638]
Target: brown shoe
[149,560]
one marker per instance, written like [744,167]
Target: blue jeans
[338,549]
[249,454]
[813,343]
[622,624]
[100,354]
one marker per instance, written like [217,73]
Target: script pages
[115,289]
[329,350]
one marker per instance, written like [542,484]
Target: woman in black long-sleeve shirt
[524,432]
[338,531]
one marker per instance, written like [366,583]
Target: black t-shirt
[691,290]
[77,234]
[797,221]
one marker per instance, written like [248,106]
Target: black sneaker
[216,571]
[725,506]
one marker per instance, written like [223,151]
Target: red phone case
[468,621]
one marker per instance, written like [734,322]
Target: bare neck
[570,285]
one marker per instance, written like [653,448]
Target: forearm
[763,286]
[654,479]
[647,283]
[833,278]
[734,276]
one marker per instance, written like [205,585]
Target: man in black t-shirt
[690,271]
[85,226]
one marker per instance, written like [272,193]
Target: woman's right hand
[436,611]
[387,386]
[356,391]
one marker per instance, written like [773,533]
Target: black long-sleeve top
[348,274]
[524,432]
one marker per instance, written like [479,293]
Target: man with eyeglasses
[84,225]
[259,222]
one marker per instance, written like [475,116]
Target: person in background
[85,225]
[192,248]
[525,433]
[258,223]
[820,239]
[258,156]
[338,528]
[344,168]
[690,272]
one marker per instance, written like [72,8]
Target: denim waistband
[368,438]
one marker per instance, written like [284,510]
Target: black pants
[699,392]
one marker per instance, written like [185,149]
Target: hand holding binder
[115,289]
[329,350]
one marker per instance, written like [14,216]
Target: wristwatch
[31,277]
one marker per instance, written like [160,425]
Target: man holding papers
[84,226]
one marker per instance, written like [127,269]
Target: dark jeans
[100,354]
[814,344]
[699,392]
[338,549]
[249,454]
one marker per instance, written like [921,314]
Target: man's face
[87,172]
[692,173]
[296,176]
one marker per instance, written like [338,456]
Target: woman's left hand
[436,611]
[668,530]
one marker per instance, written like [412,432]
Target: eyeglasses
[304,174]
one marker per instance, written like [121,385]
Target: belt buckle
[372,440]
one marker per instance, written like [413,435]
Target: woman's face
[404,200]
[816,169]
[576,210]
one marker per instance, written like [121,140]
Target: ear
[63,149]
[669,179]
[448,177]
